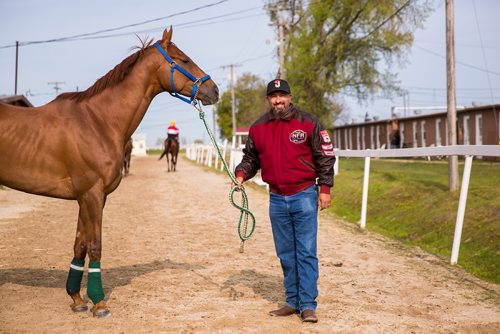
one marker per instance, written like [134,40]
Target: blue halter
[173,67]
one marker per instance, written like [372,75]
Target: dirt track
[171,265]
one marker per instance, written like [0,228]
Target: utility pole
[233,101]
[56,85]
[281,42]
[17,62]
[451,94]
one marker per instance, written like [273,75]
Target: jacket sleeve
[323,156]
[250,163]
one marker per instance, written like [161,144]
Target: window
[467,130]
[479,129]
[424,133]
[372,136]
[402,134]
[349,143]
[358,139]
[415,138]
[438,132]
[377,136]
[363,138]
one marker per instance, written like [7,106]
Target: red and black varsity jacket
[292,152]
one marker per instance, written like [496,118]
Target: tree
[250,92]
[348,47]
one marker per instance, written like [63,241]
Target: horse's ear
[167,36]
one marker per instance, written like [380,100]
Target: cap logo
[298,136]
[277,83]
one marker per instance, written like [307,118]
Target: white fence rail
[469,151]
[207,155]
[203,154]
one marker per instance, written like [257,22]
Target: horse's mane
[113,77]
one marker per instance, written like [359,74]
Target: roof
[16,100]
[242,131]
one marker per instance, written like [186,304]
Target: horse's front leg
[91,207]
[76,269]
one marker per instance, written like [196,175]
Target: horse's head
[181,75]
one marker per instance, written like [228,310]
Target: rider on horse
[172,131]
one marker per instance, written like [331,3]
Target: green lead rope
[245,213]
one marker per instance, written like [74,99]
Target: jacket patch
[298,136]
[325,136]
[327,147]
[329,153]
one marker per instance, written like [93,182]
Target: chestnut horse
[73,147]
[171,145]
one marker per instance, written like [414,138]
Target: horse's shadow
[265,286]
[113,277]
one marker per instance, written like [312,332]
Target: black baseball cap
[278,85]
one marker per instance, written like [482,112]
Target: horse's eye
[185,61]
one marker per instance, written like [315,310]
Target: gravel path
[171,265]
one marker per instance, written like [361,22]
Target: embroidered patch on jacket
[326,137]
[329,153]
[298,136]
[327,147]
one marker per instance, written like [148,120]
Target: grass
[410,202]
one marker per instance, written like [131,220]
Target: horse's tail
[166,145]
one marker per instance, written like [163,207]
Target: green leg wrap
[94,283]
[75,276]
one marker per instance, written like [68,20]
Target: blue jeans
[294,221]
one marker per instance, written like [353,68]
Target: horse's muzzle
[208,93]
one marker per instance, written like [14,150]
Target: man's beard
[279,109]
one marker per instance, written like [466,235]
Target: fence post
[223,155]
[209,158]
[461,210]
[364,203]
[216,163]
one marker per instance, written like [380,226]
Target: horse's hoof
[79,308]
[102,313]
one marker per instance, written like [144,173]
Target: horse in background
[73,147]
[127,156]
[171,146]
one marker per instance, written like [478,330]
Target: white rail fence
[469,151]
[204,154]
[207,155]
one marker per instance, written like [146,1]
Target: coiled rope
[245,213]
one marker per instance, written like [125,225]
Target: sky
[218,33]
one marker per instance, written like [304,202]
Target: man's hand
[239,181]
[324,201]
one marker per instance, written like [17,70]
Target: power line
[388,19]
[115,29]
[486,65]
[458,62]
[184,25]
